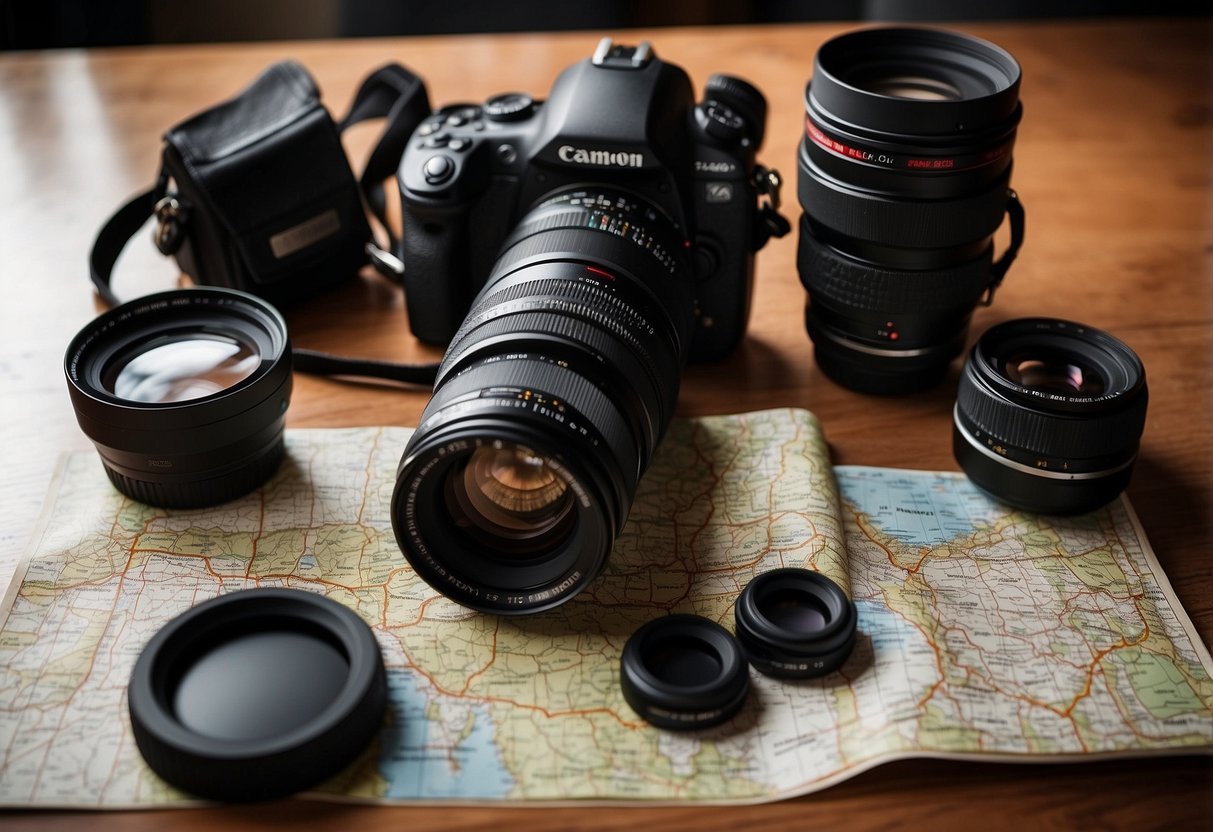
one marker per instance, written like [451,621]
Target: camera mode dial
[742,99]
[510,106]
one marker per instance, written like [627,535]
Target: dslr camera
[573,253]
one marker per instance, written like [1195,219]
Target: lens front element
[181,367]
[510,497]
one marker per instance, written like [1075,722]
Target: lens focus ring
[867,287]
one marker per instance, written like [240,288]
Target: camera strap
[391,93]
[1016,218]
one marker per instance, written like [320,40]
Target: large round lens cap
[257,694]
[684,672]
[795,623]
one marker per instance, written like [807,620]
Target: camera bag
[256,194]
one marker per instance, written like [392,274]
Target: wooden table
[1113,163]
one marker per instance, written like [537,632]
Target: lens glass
[1052,372]
[910,85]
[180,368]
[792,609]
[510,496]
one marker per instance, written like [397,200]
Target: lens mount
[184,394]
[1049,414]
[795,623]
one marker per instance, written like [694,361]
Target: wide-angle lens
[1049,414]
[184,394]
[904,173]
[549,404]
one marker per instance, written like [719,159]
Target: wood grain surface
[1114,163]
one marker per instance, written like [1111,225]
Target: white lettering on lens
[601,158]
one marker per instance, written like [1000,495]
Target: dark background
[41,24]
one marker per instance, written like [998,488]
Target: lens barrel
[1049,414]
[184,394]
[548,405]
[904,174]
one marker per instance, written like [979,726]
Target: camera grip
[436,285]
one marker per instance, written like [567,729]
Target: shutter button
[438,169]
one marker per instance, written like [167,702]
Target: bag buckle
[171,215]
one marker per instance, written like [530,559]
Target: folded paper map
[984,633]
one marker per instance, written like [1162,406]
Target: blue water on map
[419,759]
[923,508]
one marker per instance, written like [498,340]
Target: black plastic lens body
[549,403]
[257,694]
[795,624]
[684,672]
[1049,415]
[184,394]
[904,175]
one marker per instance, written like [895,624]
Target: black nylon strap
[112,239]
[324,364]
[390,92]
[398,96]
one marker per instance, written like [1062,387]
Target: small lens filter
[257,694]
[684,672]
[795,623]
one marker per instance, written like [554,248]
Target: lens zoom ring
[906,223]
[575,298]
[1074,437]
[562,384]
[833,275]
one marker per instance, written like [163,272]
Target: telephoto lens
[548,405]
[184,394]
[904,177]
[1049,414]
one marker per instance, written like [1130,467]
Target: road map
[984,633]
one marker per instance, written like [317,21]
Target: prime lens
[184,394]
[1049,414]
[548,405]
[904,174]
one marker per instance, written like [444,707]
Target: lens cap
[257,694]
[684,672]
[795,623]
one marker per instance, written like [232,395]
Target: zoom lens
[1049,414]
[548,405]
[904,174]
[184,394]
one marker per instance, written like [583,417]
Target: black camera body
[622,118]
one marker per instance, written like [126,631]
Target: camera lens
[548,405]
[1049,414]
[795,623]
[683,672]
[184,394]
[904,175]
